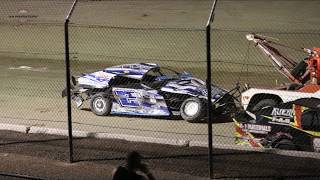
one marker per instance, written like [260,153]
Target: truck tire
[193,110]
[264,103]
[285,144]
[100,104]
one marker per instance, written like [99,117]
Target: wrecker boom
[308,69]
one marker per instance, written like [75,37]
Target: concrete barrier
[134,138]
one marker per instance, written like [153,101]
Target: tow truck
[304,77]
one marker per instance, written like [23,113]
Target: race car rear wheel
[100,104]
[192,110]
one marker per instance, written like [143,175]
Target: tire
[192,110]
[285,144]
[100,104]
[264,103]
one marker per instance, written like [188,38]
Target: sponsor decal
[316,144]
[282,112]
[127,97]
[255,128]
[281,120]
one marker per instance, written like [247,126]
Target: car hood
[194,87]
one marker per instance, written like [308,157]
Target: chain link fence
[32,62]
[129,37]
[115,41]
[238,60]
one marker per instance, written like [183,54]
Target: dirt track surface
[32,77]
[45,157]
[32,72]
[32,97]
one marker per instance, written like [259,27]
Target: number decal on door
[127,98]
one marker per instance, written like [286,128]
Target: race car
[293,125]
[146,89]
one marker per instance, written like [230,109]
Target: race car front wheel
[100,104]
[192,110]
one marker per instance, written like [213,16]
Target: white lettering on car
[255,128]
[281,120]
[282,112]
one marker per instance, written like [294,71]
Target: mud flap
[64,93]
[79,101]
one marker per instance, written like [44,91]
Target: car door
[138,100]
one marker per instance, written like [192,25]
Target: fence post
[67,62]
[209,94]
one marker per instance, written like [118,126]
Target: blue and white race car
[145,89]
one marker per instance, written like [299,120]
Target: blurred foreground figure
[132,167]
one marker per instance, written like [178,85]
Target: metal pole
[208,35]
[209,107]
[67,62]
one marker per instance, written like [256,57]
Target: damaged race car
[293,125]
[146,89]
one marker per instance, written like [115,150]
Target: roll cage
[156,78]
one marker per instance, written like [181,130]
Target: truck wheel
[285,144]
[100,104]
[264,103]
[192,110]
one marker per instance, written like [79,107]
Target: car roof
[135,71]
